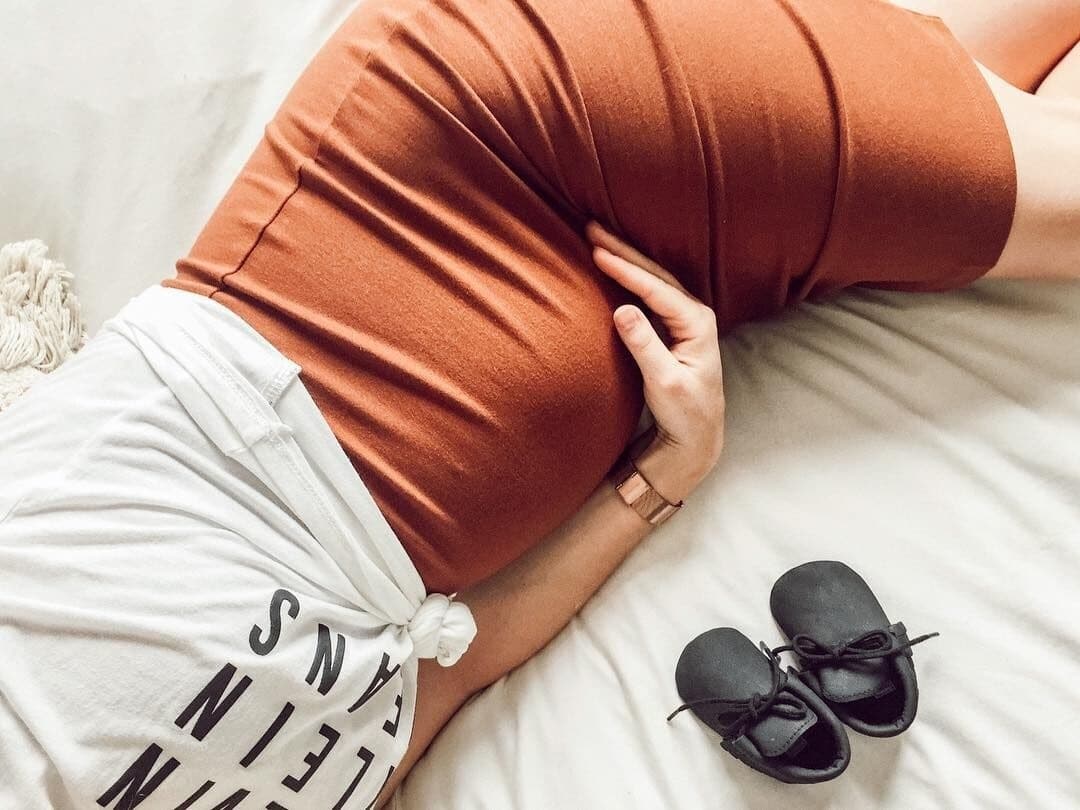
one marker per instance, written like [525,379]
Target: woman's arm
[522,607]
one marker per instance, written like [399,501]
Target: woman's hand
[684,384]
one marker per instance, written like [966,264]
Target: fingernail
[625,318]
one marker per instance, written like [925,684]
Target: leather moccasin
[848,651]
[768,718]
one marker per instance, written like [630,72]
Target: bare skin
[1019,40]
[1027,50]
[1063,82]
[1044,242]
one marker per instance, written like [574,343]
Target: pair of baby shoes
[855,669]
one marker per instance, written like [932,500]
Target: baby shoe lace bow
[745,712]
[872,644]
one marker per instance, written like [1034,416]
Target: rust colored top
[410,227]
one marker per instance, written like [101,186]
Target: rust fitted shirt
[410,227]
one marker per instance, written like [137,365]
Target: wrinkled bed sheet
[930,441]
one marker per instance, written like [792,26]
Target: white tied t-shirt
[201,605]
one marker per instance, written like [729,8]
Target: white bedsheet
[932,442]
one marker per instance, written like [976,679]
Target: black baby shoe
[767,718]
[848,651]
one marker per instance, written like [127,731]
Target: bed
[932,442]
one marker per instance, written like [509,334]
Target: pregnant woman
[379,415]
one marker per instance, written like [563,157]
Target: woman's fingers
[679,311]
[649,352]
[598,235]
[683,317]
[640,274]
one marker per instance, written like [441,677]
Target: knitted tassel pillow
[40,322]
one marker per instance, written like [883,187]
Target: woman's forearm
[523,606]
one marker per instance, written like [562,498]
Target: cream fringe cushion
[40,322]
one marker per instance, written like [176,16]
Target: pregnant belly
[409,230]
